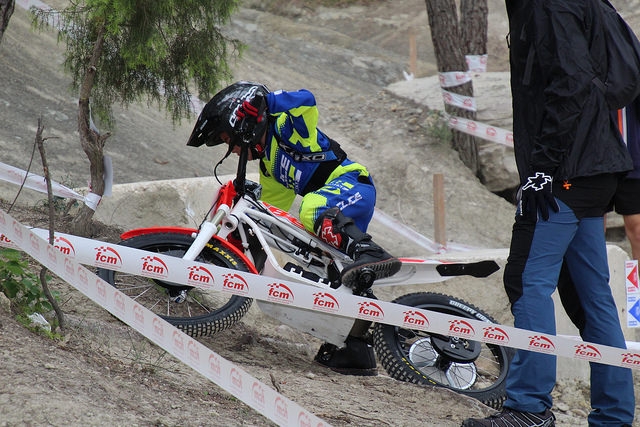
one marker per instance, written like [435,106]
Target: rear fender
[190,231]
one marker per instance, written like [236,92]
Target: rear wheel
[472,368]
[196,311]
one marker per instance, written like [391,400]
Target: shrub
[20,284]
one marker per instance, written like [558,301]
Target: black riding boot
[355,358]
[370,261]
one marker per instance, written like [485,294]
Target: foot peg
[364,281]
[361,275]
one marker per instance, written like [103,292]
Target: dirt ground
[102,373]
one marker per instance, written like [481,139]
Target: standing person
[296,158]
[569,156]
[626,202]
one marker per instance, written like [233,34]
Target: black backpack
[622,82]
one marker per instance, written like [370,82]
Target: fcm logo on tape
[65,246]
[120,303]
[305,421]
[215,367]
[541,344]
[178,343]
[155,267]
[587,352]
[279,292]
[257,394]
[108,257]
[415,319]
[281,409]
[194,351]
[325,302]
[235,283]
[101,291]
[631,360]
[235,378]
[461,328]
[138,315]
[495,335]
[200,277]
[158,329]
[369,310]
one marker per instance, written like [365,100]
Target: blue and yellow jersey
[299,158]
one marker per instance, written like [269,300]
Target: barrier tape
[475,64]
[454,78]
[207,276]
[38,183]
[35,182]
[460,101]
[208,363]
[481,130]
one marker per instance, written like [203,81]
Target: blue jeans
[531,276]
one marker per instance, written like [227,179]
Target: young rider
[296,158]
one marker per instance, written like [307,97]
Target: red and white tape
[62,261]
[475,64]
[37,183]
[135,261]
[460,101]
[481,130]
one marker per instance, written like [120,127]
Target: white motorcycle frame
[261,218]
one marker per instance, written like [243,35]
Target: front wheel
[468,367]
[196,311]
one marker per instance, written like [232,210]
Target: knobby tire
[204,312]
[411,355]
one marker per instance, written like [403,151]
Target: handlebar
[243,141]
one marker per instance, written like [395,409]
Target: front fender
[155,230]
[190,231]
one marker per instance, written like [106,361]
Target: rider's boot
[370,261]
[355,358]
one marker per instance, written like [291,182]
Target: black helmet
[219,116]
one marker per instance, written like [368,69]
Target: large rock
[493,97]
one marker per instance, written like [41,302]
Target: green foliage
[438,126]
[21,285]
[59,203]
[153,50]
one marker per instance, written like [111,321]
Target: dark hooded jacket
[561,123]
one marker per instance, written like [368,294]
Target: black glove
[536,195]
[251,112]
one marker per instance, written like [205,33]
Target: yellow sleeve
[276,194]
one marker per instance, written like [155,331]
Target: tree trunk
[43,270]
[449,49]
[473,23]
[92,142]
[6,10]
